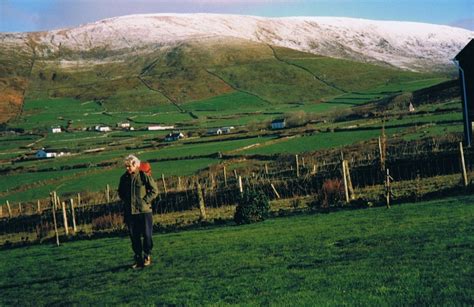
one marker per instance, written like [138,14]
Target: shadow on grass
[41,281]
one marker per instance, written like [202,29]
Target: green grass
[228,103]
[12,181]
[318,141]
[95,178]
[44,113]
[89,179]
[189,150]
[365,76]
[414,254]
[401,85]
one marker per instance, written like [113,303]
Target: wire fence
[287,177]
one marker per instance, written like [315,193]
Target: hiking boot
[147,260]
[138,263]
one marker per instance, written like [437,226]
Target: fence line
[279,180]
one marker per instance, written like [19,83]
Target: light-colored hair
[131,160]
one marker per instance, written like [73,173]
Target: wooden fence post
[266,169]
[20,210]
[241,188]
[9,210]
[1,211]
[463,166]
[78,199]
[179,187]
[66,228]
[213,181]
[297,166]
[382,150]
[346,188]
[388,188]
[349,181]
[38,206]
[58,202]
[164,183]
[235,174]
[73,214]
[202,207]
[107,193]
[53,208]
[225,176]
[275,191]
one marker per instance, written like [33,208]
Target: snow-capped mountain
[408,45]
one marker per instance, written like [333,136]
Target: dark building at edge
[465,62]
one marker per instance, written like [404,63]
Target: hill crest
[406,45]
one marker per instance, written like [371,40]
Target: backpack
[145,167]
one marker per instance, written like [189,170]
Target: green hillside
[192,86]
[195,71]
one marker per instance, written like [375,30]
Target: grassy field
[413,254]
[432,121]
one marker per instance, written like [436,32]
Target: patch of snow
[402,44]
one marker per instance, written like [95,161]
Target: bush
[331,194]
[252,207]
[108,222]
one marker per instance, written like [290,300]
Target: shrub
[252,207]
[108,222]
[332,193]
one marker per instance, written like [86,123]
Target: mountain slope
[408,45]
[139,61]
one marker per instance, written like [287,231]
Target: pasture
[412,254]
[94,170]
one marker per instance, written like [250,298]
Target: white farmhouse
[56,129]
[124,125]
[174,136]
[159,127]
[101,128]
[45,154]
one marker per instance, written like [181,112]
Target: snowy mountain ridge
[407,45]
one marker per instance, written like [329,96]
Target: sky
[42,15]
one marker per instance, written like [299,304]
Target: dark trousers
[141,225]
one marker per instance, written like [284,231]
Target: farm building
[218,131]
[174,136]
[227,129]
[214,131]
[56,129]
[124,125]
[101,128]
[464,60]
[44,154]
[278,124]
[159,127]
